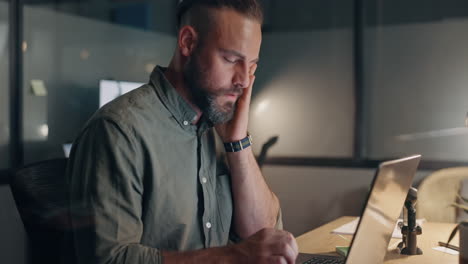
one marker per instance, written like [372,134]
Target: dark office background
[344,84]
[71,45]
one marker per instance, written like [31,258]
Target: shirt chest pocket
[224,202]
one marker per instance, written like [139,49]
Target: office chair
[40,194]
[438,192]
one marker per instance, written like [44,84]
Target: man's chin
[226,118]
[221,113]
[221,117]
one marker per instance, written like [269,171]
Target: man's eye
[229,60]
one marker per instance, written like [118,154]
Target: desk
[322,241]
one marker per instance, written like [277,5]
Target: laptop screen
[383,207]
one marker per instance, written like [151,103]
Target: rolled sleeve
[279,220]
[106,186]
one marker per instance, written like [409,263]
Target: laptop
[385,201]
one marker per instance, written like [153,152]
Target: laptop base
[303,258]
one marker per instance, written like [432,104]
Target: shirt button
[208,225]
[185,123]
[204,180]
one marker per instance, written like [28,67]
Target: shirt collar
[182,111]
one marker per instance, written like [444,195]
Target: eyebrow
[238,54]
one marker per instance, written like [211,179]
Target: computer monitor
[111,89]
[66,149]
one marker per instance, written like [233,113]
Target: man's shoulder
[132,108]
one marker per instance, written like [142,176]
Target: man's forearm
[255,205]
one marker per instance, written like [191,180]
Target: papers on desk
[350,228]
[446,250]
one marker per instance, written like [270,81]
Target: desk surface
[322,241]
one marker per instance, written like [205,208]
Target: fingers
[287,247]
[244,100]
[253,69]
[280,243]
[273,260]
[249,90]
[294,244]
[252,78]
[286,251]
[252,75]
[277,246]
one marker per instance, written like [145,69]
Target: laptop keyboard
[324,260]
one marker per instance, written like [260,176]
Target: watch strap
[237,146]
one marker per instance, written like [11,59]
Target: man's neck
[176,78]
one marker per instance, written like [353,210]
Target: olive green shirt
[143,178]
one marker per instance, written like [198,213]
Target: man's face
[218,71]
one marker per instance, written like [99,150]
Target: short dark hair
[249,8]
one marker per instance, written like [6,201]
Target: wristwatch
[238,145]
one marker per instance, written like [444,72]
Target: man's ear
[188,38]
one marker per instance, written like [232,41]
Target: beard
[196,79]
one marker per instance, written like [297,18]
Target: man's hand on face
[267,246]
[236,128]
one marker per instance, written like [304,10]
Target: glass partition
[67,55]
[306,68]
[304,90]
[4,87]
[414,63]
[416,86]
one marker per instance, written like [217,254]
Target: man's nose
[241,78]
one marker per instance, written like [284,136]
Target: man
[145,184]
